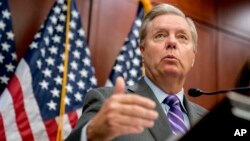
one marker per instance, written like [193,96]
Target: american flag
[29,106]
[128,63]
[8,58]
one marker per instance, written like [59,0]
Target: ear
[142,48]
[193,62]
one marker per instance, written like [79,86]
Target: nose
[171,42]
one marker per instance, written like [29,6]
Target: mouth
[169,57]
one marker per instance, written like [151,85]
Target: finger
[133,99]
[119,86]
[124,120]
[138,111]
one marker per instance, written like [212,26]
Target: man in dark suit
[168,41]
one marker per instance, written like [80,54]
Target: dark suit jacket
[159,132]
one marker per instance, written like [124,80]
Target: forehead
[170,21]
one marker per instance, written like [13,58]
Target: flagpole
[59,136]
[147,5]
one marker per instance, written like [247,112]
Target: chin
[172,72]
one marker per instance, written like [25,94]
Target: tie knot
[171,100]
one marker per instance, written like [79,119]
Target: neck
[168,84]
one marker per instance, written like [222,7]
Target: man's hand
[121,114]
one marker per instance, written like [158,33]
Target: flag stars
[13,55]
[64,7]
[75,14]
[130,82]
[37,35]
[4,79]
[56,39]
[46,40]
[76,54]
[69,88]
[44,84]
[47,72]
[2,25]
[57,10]
[81,85]
[6,14]
[73,24]
[81,32]
[138,52]
[50,61]
[120,58]
[84,73]
[5,46]
[136,33]
[79,43]
[59,28]
[86,61]
[60,68]
[61,1]
[52,105]
[71,76]
[87,51]
[55,92]
[133,43]
[93,80]
[58,80]
[136,62]
[10,35]
[62,18]
[42,52]
[71,35]
[33,45]
[39,64]
[133,72]
[53,19]
[67,100]
[74,65]
[50,30]
[118,68]
[53,50]
[10,67]
[138,22]
[78,97]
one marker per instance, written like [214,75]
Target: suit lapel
[195,113]
[161,129]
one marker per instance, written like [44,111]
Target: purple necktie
[175,115]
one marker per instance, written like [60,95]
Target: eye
[160,37]
[182,37]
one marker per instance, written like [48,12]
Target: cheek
[152,54]
[189,59]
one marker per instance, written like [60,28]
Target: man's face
[168,49]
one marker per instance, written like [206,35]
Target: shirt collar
[161,95]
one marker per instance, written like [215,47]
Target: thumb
[119,85]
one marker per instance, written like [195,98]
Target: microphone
[195,92]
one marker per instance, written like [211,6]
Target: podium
[230,119]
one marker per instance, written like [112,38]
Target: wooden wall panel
[200,10]
[234,17]
[110,25]
[203,74]
[232,53]
[28,15]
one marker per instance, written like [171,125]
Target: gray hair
[163,9]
